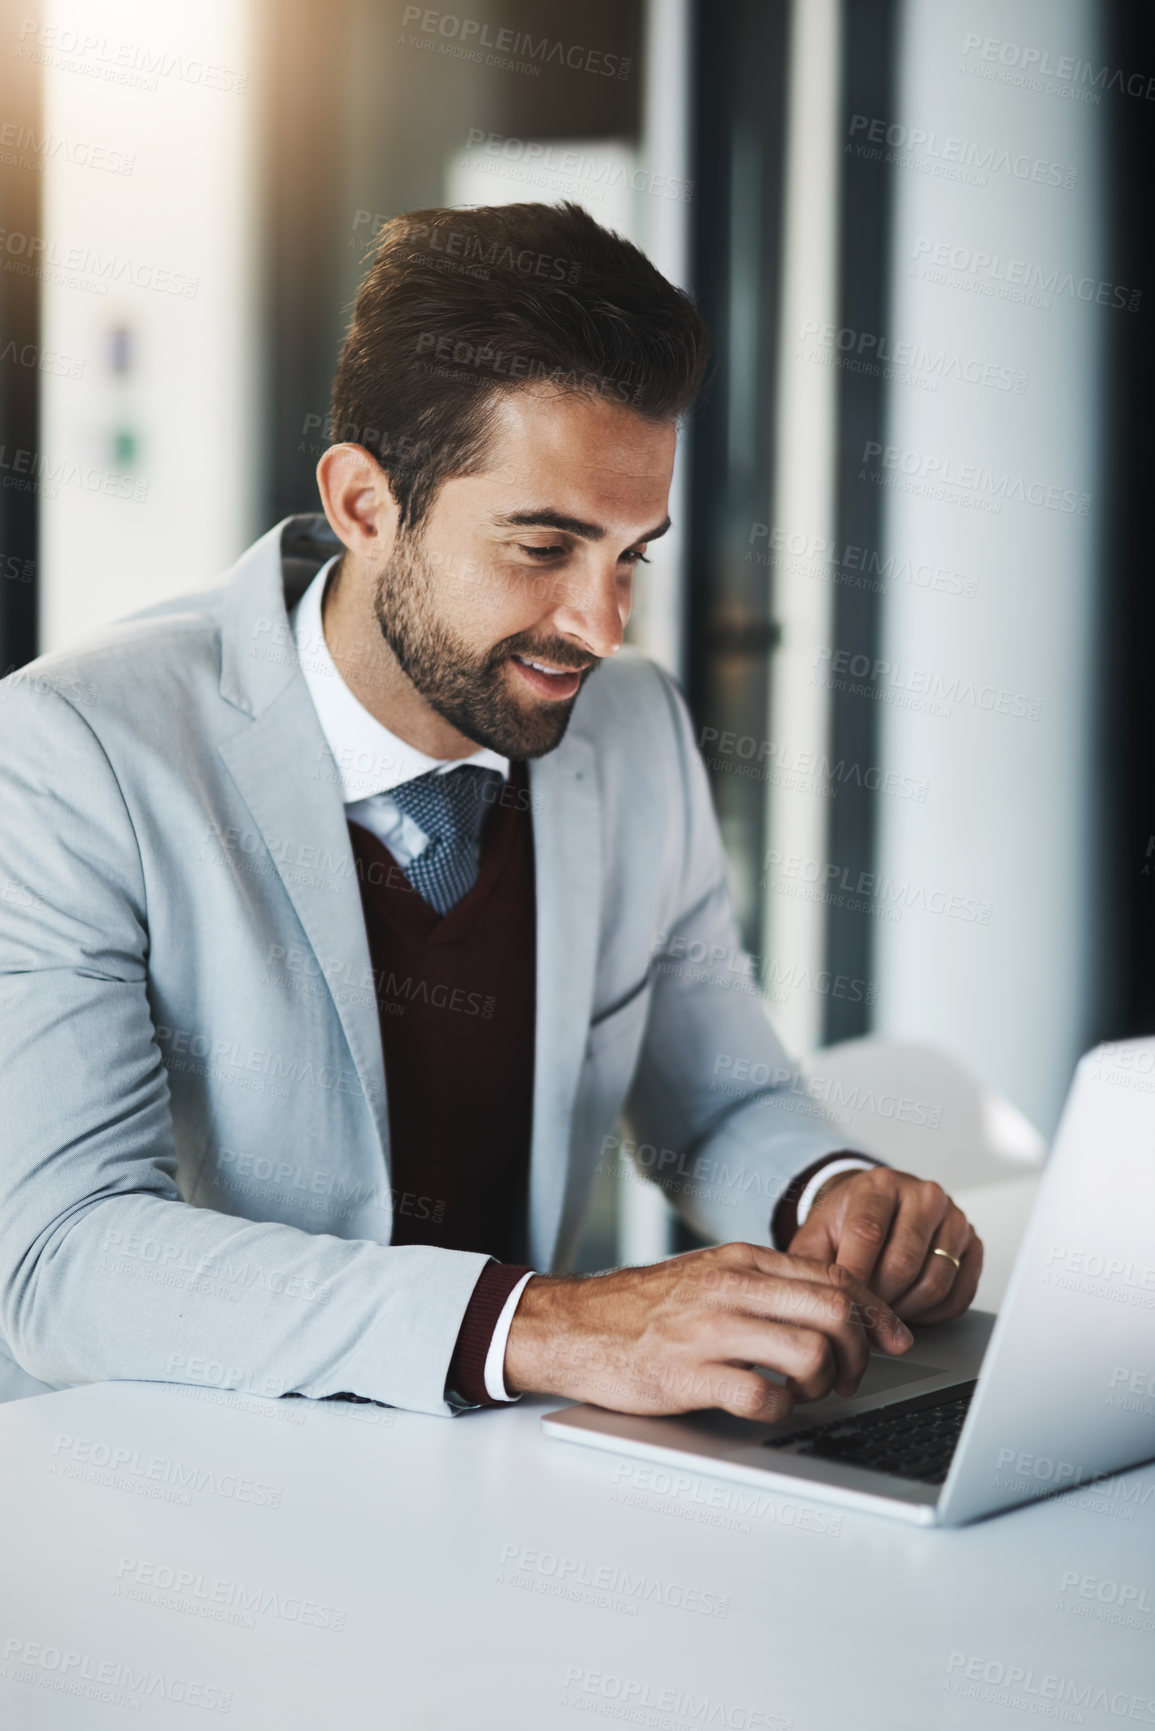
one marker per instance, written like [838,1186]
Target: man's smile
[549,681]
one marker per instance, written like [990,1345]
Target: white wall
[803,505]
[1009,817]
[166,251]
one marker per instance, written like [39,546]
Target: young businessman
[342,910]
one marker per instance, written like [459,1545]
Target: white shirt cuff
[495,1358]
[806,1200]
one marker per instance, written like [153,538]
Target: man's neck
[375,677]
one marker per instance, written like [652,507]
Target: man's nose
[593,609]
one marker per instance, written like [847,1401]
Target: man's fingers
[743,1392]
[816,1239]
[935,1276]
[763,1319]
[811,1359]
[827,1298]
[962,1291]
[866,1225]
[923,1212]
[878,1320]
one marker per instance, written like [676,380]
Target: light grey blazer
[194,1141]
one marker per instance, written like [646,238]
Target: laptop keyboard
[913,1439]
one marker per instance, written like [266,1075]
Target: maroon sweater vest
[456,1002]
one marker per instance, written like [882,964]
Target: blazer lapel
[567,855]
[302,820]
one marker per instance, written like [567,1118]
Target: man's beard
[468,690]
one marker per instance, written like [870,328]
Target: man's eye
[636,558]
[541,552]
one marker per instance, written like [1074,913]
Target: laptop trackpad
[883,1373]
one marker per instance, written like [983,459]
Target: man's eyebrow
[545,519]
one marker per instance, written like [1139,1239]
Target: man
[341,910]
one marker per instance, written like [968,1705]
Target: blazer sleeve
[88,1163]
[718,1114]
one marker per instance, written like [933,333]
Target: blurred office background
[907,593]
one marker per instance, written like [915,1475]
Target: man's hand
[683,1334]
[883,1227]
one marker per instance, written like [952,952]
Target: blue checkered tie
[450,808]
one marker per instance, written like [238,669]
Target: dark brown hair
[459,306]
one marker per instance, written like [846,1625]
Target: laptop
[984,1413]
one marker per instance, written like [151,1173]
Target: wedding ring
[939,1251]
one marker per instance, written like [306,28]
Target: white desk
[740,1612]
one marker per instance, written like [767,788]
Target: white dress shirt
[370,760]
[850,1163]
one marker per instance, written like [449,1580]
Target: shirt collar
[369,758]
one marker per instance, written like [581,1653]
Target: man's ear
[358,501]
